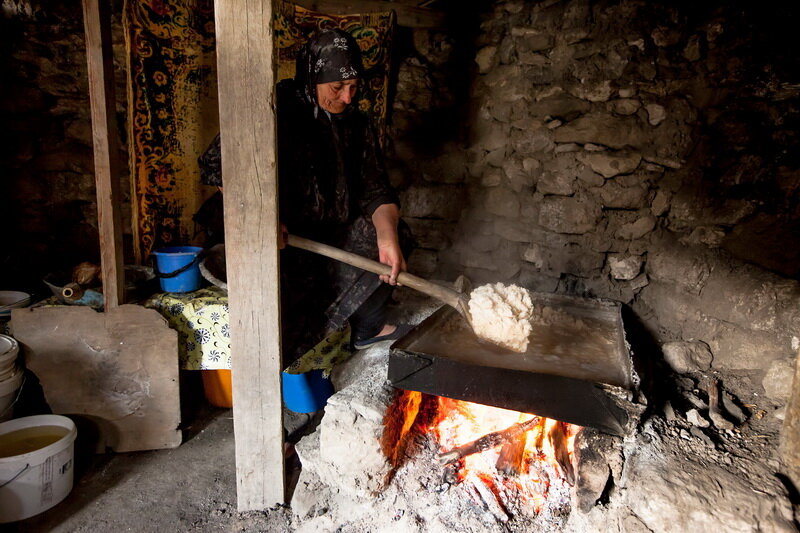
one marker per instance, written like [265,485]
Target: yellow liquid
[27,440]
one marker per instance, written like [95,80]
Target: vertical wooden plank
[247,124]
[790,434]
[97,24]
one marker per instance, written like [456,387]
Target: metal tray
[577,367]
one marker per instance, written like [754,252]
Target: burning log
[558,438]
[488,441]
[511,457]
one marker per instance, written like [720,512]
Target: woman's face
[334,97]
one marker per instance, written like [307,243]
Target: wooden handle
[440,292]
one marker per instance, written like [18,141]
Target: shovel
[457,299]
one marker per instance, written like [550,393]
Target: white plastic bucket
[8,394]
[33,482]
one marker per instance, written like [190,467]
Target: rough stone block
[624,106]
[624,267]
[685,357]
[616,196]
[744,349]
[433,201]
[431,234]
[534,140]
[686,267]
[660,203]
[778,380]
[532,279]
[568,214]
[502,202]
[532,39]
[423,262]
[492,177]
[637,229]
[593,91]
[485,58]
[513,229]
[556,183]
[603,128]
[561,106]
[610,164]
[655,114]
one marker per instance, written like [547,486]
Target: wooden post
[246,72]
[790,435]
[97,24]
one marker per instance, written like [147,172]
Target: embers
[507,462]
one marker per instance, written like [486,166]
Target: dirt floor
[190,488]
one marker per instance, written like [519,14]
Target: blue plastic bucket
[306,392]
[177,268]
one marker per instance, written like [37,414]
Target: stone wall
[47,196]
[637,152]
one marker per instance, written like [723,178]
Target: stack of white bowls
[12,300]
[10,376]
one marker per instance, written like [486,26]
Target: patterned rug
[172,101]
[173,116]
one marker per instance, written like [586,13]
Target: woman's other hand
[385,219]
[389,253]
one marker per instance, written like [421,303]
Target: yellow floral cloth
[329,352]
[204,343]
[203,325]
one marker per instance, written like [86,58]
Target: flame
[548,447]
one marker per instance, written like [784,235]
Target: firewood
[511,457]
[712,388]
[558,438]
[488,441]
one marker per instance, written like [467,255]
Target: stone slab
[118,369]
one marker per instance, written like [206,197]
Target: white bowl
[13,300]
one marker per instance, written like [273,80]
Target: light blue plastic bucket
[177,268]
[306,392]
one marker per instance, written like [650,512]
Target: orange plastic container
[217,386]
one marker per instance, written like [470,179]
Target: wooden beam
[97,25]
[411,16]
[246,72]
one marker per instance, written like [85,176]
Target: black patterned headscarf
[330,55]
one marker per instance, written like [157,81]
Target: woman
[333,188]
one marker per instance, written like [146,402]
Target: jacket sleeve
[376,188]
[211,164]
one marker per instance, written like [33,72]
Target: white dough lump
[501,313]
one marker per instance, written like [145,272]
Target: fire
[546,448]
[503,458]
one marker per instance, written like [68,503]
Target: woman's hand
[385,219]
[389,253]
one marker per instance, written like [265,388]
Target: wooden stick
[714,413]
[488,441]
[460,302]
[97,24]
